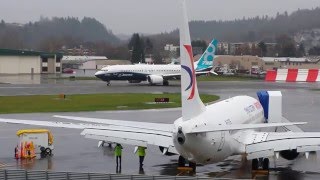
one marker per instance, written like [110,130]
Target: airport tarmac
[75,153]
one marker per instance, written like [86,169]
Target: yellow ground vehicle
[41,141]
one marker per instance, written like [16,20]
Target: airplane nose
[99,74]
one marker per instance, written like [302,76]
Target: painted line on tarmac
[21,87]
[4,165]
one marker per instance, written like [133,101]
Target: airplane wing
[268,144]
[132,136]
[126,132]
[145,125]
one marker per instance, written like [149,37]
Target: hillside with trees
[52,34]
[255,29]
[57,33]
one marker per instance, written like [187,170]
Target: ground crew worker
[141,153]
[16,152]
[118,152]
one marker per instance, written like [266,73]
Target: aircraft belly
[124,76]
[205,148]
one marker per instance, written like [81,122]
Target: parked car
[68,71]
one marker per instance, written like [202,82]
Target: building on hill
[29,62]
[309,38]
[223,48]
[171,47]
[245,48]
[78,51]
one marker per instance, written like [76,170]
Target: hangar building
[29,62]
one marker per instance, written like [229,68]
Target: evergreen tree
[200,43]
[148,46]
[263,48]
[301,50]
[2,24]
[286,46]
[136,47]
[315,51]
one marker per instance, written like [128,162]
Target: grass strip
[90,102]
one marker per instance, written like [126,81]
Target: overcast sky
[145,16]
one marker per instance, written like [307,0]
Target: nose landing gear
[262,163]
[182,165]
[260,167]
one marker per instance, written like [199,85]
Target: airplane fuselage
[210,147]
[138,72]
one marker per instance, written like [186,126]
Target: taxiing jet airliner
[156,74]
[205,134]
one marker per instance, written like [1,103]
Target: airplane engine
[289,154]
[155,79]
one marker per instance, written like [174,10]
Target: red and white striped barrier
[293,75]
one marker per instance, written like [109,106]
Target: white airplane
[156,74]
[205,134]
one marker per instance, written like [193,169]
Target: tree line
[51,34]
[263,28]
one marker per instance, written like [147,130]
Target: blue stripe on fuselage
[123,76]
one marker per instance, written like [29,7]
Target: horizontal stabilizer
[212,72]
[206,128]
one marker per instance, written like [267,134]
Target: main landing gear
[166,83]
[108,83]
[182,164]
[262,163]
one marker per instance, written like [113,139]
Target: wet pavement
[75,153]
[43,78]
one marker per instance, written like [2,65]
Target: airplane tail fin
[192,105]
[205,63]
